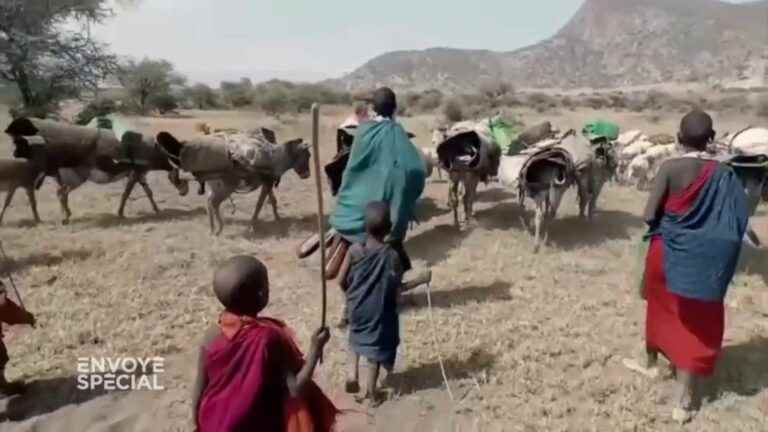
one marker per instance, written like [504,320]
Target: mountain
[606,44]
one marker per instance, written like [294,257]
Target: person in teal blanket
[383,166]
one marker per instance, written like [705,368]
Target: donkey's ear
[22,127]
[167,140]
[296,144]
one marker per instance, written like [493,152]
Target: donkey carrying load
[237,162]
[73,155]
[470,154]
[545,172]
[751,141]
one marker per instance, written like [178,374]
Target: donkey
[69,179]
[26,174]
[591,178]
[468,160]
[222,184]
[544,177]
[545,184]
[74,155]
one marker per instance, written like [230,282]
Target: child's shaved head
[242,285]
[377,220]
[696,129]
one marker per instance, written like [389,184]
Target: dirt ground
[530,342]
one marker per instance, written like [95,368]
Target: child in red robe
[10,313]
[251,374]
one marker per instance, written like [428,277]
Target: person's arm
[201,381]
[345,267]
[297,382]
[397,269]
[654,208]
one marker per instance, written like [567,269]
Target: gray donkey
[226,177]
[76,154]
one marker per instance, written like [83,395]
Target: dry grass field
[531,342]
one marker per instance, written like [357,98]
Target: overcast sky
[214,40]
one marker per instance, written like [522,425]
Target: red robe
[688,332]
[246,391]
[10,313]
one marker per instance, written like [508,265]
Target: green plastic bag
[637,273]
[505,136]
[601,129]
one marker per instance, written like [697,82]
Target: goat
[638,172]
[643,168]
[26,174]
[223,183]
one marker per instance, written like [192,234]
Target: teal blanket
[383,166]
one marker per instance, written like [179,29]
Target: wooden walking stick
[320,213]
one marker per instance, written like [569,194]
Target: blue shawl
[373,281]
[702,246]
[383,166]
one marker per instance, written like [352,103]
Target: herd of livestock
[540,165]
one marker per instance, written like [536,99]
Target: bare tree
[44,57]
[148,78]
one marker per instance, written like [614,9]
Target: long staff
[320,213]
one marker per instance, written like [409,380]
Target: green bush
[277,97]
[202,97]
[274,103]
[164,103]
[96,108]
[430,101]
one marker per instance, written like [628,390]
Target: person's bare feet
[342,324]
[372,400]
[682,415]
[633,365]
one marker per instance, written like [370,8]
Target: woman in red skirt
[697,214]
